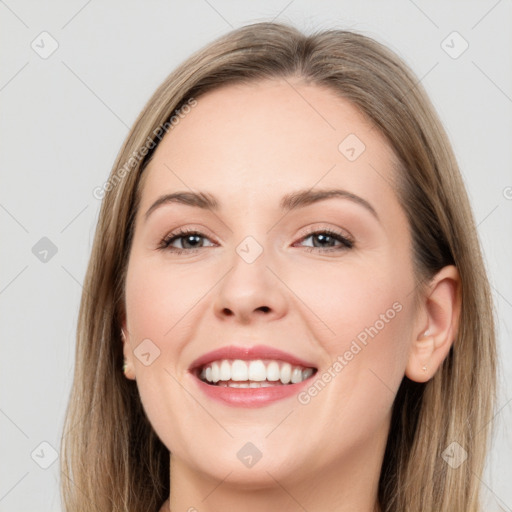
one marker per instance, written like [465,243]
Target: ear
[127,352]
[434,339]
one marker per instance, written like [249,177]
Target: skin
[249,145]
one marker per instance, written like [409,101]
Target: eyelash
[347,242]
[181,233]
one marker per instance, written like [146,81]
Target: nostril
[265,309]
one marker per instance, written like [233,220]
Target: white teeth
[215,372]
[263,384]
[286,373]
[273,373]
[256,373]
[296,375]
[239,370]
[225,370]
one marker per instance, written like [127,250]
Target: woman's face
[278,264]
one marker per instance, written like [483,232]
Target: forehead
[264,138]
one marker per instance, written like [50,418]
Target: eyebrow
[292,201]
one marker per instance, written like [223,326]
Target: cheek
[363,328]
[159,296]
[347,297]
[157,303]
[362,318]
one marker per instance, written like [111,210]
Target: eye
[327,240]
[184,240]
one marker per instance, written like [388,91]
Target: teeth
[225,370]
[296,375]
[239,370]
[215,372]
[264,384]
[257,371]
[307,373]
[254,374]
[273,372]
[286,373]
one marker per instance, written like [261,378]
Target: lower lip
[250,397]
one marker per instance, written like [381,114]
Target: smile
[257,373]
[253,376]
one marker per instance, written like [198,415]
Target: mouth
[256,373]
[250,376]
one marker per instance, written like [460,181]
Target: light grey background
[65,116]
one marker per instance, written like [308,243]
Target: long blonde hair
[112,460]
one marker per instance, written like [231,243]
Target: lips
[247,354]
[271,375]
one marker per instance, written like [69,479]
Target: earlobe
[420,364]
[442,305]
[128,367]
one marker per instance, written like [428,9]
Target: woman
[285,306]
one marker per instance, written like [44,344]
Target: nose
[250,292]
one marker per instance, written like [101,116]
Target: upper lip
[249,353]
